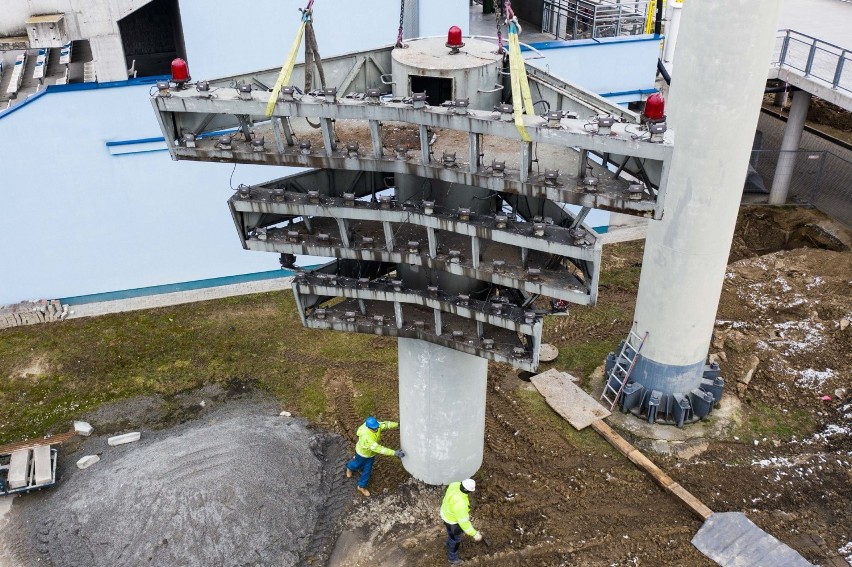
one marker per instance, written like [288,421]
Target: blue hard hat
[372,422]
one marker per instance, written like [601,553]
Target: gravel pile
[242,486]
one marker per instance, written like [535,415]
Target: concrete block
[126,438]
[87,461]
[83,428]
[18,468]
[42,465]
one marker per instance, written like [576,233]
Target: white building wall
[436,18]
[236,39]
[605,66]
[80,221]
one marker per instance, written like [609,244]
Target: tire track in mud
[338,385]
[388,473]
[514,495]
[535,475]
[337,499]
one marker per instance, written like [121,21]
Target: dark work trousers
[366,466]
[454,536]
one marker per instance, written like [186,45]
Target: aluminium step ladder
[618,375]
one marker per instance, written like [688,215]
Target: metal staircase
[620,371]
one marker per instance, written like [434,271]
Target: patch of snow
[815,282]
[800,335]
[813,379]
[773,462]
[782,283]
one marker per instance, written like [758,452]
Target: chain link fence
[820,179]
[822,175]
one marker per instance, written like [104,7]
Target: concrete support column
[713,110]
[441,411]
[789,145]
[672,29]
[780,98]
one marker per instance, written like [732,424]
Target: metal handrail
[815,46]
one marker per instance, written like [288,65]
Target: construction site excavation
[456,364]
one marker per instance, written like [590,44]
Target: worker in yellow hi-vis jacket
[369,435]
[455,511]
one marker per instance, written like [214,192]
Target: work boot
[348,472]
[364,491]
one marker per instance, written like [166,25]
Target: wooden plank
[30,443]
[644,463]
[693,503]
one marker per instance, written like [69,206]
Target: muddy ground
[551,496]
[548,495]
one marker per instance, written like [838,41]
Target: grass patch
[625,278]
[83,363]
[312,399]
[378,398]
[764,421]
[580,359]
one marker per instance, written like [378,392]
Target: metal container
[654,405]
[714,386]
[610,362]
[427,65]
[711,371]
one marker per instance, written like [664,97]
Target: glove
[478,536]
[399,453]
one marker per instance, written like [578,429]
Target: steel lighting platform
[353,134]
[446,225]
[492,249]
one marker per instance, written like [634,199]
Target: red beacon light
[180,72]
[655,109]
[454,39]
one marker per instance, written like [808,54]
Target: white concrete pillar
[441,411]
[789,144]
[723,55]
[780,99]
[672,29]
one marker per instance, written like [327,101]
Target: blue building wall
[620,69]
[79,220]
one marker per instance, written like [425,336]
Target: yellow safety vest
[368,440]
[455,509]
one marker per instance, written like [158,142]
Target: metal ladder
[628,354]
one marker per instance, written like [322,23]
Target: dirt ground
[824,116]
[548,495]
